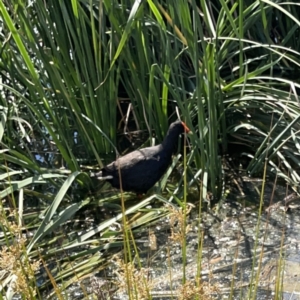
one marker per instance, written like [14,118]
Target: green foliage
[231,69]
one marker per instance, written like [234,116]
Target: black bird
[142,168]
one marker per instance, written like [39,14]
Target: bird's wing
[134,158]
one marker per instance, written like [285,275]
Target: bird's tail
[100,177]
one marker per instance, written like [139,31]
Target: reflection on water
[229,241]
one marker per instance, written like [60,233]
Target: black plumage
[142,168]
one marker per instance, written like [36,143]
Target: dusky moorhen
[142,168]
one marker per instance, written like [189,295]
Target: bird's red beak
[186,129]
